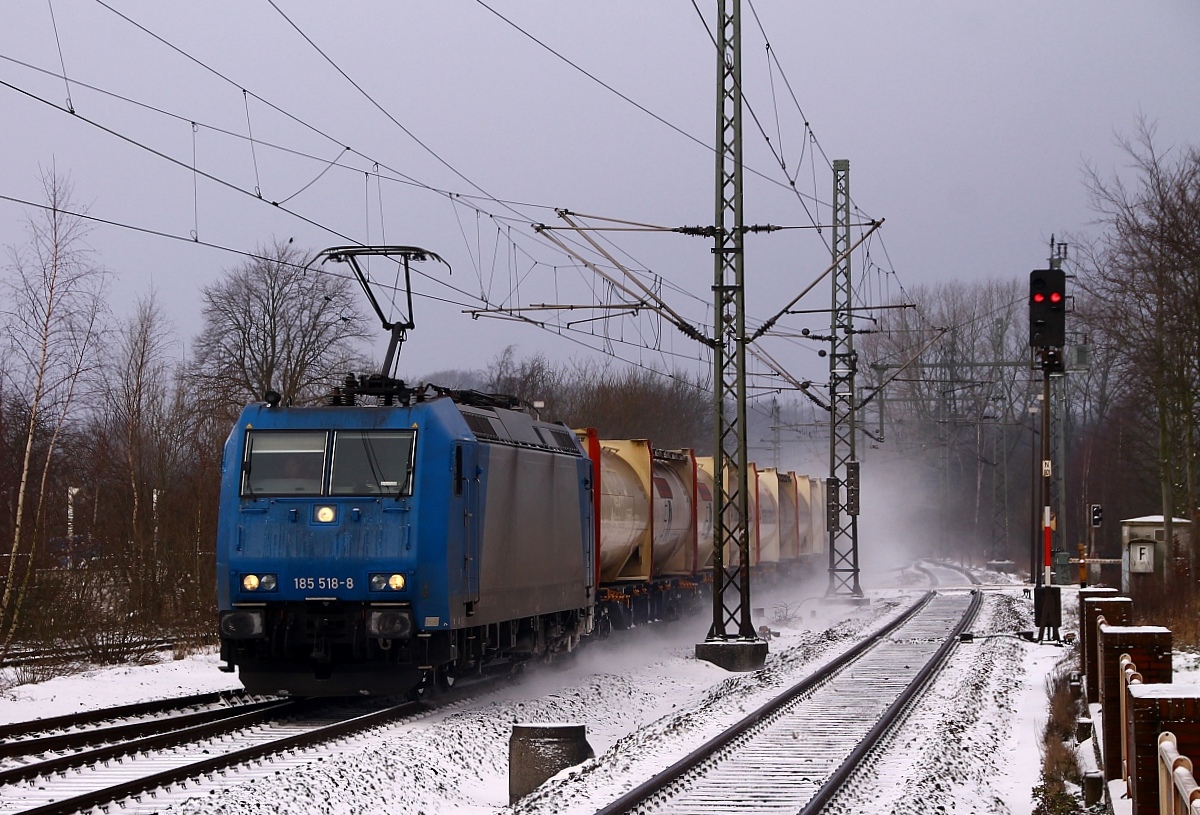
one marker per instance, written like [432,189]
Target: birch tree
[54,312]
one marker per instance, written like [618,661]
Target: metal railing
[1129,676]
[1178,792]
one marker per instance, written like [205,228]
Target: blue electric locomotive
[374,548]
[396,537]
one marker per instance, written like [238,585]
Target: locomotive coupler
[322,651]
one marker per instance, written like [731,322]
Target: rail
[70,750]
[892,715]
[669,778]
[24,729]
[963,570]
[194,769]
[1178,792]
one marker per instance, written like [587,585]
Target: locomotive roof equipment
[399,328]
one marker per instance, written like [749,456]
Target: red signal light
[1038,297]
[1055,297]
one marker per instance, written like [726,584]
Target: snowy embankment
[645,700]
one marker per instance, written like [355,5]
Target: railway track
[148,713]
[795,753]
[79,765]
[941,573]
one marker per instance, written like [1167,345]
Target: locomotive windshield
[283,462]
[372,462]
[293,462]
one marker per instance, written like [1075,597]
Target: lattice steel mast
[843,362]
[731,580]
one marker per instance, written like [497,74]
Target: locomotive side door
[467,488]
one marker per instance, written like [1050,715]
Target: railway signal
[852,480]
[1047,336]
[1047,308]
[1097,514]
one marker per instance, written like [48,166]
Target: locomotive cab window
[372,462]
[283,462]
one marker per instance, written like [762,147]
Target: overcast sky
[966,124]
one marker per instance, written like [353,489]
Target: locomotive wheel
[433,683]
[419,691]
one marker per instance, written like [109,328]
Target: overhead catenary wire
[61,60]
[380,107]
[196,172]
[328,59]
[631,101]
[464,304]
[762,130]
[455,197]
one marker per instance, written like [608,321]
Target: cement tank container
[624,514]
[820,529]
[804,513]
[767,550]
[645,509]
[673,515]
[752,521]
[686,559]
[730,554]
[705,495]
[789,529]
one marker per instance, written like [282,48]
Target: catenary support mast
[732,641]
[843,361]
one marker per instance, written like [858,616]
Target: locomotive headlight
[384,582]
[260,582]
[325,514]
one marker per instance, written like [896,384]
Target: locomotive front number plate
[323,582]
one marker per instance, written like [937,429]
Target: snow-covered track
[946,569]
[13,736]
[54,753]
[129,769]
[793,754]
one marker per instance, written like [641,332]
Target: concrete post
[537,752]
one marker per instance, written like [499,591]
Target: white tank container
[624,513]
[672,514]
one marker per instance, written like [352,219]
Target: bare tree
[137,400]
[1144,273]
[673,410]
[270,324]
[54,314]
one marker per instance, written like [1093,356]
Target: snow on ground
[645,700]
[95,688]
